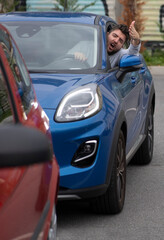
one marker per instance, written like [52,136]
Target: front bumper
[65,194]
[67,137]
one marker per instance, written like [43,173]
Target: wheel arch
[119,125]
[153,102]
[124,130]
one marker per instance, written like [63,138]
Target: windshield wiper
[41,71]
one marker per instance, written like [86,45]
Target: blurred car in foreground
[28,169]
[100,118]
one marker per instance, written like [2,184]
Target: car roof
[74,17]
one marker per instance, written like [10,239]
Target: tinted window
[19,71]
[5,109]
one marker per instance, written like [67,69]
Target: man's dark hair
[124,29]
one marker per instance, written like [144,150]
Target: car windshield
[50,46]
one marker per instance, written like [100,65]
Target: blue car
[100,118]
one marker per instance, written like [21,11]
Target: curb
[157,70]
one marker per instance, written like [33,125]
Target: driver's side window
[109,26]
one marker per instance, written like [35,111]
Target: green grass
[154,59]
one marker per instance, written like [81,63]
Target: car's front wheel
[113,200]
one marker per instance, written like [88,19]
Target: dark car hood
[51,88]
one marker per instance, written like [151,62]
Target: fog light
[85,155]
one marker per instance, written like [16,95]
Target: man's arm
[135,43]
[134,35]
[80,51]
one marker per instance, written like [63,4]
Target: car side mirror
[22,146]
[128,63]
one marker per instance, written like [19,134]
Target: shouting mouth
[111,47]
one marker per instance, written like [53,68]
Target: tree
[6,6]
[132,11]
[9,6]
[71,5]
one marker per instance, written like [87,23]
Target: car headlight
[79,104]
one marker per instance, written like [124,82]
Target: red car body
[28,193]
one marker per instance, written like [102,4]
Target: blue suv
[100,118]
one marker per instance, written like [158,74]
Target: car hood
[51,88]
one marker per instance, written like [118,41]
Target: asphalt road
[143,215]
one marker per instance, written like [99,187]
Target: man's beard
[113,52]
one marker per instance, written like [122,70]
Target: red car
[29,172]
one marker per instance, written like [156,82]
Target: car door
[132,91]
[27,194]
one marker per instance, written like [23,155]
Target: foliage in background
[71,5]
[155,59]
[132,11]
[6,6]
[10,5]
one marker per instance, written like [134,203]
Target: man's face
[115,41]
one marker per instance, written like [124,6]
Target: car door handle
[142,70]
[133,80]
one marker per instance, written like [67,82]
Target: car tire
[144,154]
[113,200]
